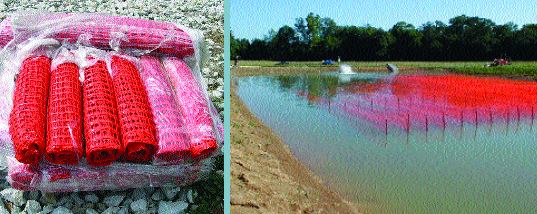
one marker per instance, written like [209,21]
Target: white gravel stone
[91,211]
[33,195]
[171,192]
[127,202]
[16,210]
[61,210]
[157,195]
[124,210]
[139,206]
[138,194]
[165,207]
[48,198]
[91,197]
[47,209]
[189,196]
[113,200]
[14,196]
[76,198]
[32,206]
[3,210]
[111,210]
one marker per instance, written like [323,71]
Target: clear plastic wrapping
[172,135]
[127,106]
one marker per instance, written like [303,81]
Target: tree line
[463,38]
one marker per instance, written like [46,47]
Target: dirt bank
[266,178]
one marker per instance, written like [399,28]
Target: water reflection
[408,143]
[419,101]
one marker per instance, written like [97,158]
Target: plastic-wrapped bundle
[67,178]
[24,175]
[102,31]
[28,116]
[64,133]
[6,33]
[194,107]
[173,142]
[136,120]
[101,127]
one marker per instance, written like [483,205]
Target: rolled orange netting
[64,133]
[194,107]
[28,116]
[172,136]
[101,122]
[136,120]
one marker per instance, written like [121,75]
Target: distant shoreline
[524,70]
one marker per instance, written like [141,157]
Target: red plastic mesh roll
[194,107]
[101,127]
[136,120]
[64,133]
[28,116]
[172,137]
[160,37]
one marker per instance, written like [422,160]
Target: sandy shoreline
[266,177]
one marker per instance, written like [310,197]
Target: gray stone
[89,205]
[189,196]
[48,198]
[138,194]
[47,209]
[32,206]
[127,202]
[101,207]
[65,200]
[61,210]
[124,210]
[14,196]
[91,198]
[68,205]
[3,210]
[157,195]
[139,206]
[16,210]
[111,210]
[33,195]
[149,190]
[76,198]
[113,200]
[170,192]
[91,211]
[165,207]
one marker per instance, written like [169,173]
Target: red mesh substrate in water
[136,120]
[172,137]
[194,107]
[28,116]
[101,127]
[64,133]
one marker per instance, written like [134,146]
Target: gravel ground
[202,197]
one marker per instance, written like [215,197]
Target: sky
[255,18]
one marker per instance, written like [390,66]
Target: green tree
[407,41]
[283,43]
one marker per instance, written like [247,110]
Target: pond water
[408,143]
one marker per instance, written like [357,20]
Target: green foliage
[463,38]
[210,192]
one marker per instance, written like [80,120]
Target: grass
[524,68]
[211,191]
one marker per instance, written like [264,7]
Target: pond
[419,143]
